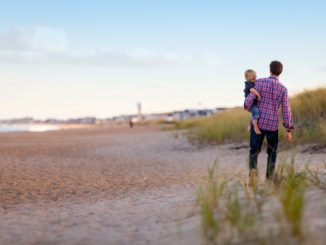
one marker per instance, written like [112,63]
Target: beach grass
[208,199]
[291,196]
[309,113]
[273,211]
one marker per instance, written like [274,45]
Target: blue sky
[99,58]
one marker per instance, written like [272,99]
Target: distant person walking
[131,124]
[273,94]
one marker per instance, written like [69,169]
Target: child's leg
[255,124]
[255,115]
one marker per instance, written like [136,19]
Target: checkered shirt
[273,94]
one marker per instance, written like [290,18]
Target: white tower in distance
[139,108]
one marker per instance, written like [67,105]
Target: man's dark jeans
[256,141]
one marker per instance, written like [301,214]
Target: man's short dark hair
[276,68]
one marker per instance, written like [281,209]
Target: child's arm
[255,92]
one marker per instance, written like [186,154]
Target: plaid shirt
[273,94]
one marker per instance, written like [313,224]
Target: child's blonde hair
[250,75]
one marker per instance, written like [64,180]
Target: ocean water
[28,127]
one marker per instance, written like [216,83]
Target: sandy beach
[112,186]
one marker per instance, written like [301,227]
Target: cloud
[33,39]
[40,45]
[135,57]
[130,58]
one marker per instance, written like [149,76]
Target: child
[250,76]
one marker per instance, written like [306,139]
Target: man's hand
[289,136]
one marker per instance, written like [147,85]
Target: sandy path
[97,185]
[104,186]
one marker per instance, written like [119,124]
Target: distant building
[135,118]
[186,114]
[54,121]
[25,120]
[123,118]
[85,120]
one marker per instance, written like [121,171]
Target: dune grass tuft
[233,213]
[291,191]
[208,200]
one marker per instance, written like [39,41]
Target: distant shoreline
[39,127]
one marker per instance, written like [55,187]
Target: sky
[98,58]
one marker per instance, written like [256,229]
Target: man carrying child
[273,94]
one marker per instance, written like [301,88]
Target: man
[273,94]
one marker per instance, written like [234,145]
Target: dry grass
[233,213]
[309,112]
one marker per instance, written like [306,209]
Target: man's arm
[286,111]
[248,101]
[251,97]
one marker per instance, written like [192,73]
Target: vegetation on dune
[272,211]
[309,113]
[233,213]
